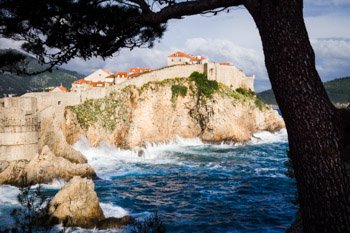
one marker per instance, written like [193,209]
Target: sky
[234,37]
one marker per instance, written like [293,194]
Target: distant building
[100,75]
[136,71]
[81,85]
[181,58]
[120,77]
[59,89]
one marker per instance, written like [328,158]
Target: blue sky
[234,37]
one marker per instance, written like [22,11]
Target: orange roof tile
[62,88]
[198,58]
[125,74]
[139,70]
[81,81]
[180,54]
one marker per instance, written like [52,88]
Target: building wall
[178,61]
[18,128]
[98,76]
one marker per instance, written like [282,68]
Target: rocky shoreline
[130,118]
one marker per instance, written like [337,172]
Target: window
[59,102]
[211,71]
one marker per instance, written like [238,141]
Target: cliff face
[158,111]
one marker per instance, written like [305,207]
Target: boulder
[76,204]
[43,168]
[46,167]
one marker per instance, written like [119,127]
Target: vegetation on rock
[205,86]
[243,95]
[107,111]
[177,90]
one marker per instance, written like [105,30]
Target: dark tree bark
[313,124]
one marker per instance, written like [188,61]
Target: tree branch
[176,11]
[143,5]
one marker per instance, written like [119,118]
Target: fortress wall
[229,75]
[47,99]
[178,71]
[18,128]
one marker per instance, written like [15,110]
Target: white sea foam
[56,184]
[8,195]
[268,137]
[111,161]
[8,201]
[111,210]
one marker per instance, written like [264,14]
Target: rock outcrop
[76,204]
[51,134]
[156,112]
[43,168]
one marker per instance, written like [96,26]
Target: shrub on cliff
[177,90]
[205,86]
[245,92]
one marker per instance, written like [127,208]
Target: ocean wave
[56,184]
[110,210]
[8,195]
[268,137]
[109,161]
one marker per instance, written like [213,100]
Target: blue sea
[193,186]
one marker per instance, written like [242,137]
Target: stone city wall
[18,128]
[229,75]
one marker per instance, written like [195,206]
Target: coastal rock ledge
[43,168]
[159,111]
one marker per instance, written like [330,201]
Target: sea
[191,185]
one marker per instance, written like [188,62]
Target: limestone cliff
[158,111]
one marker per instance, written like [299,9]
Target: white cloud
[328,2]
[250,60]
[332,57]
[153,58]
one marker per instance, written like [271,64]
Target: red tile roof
[125,74]
[81,81]
[181,54]
[139,70]
[62,88]
[198,58]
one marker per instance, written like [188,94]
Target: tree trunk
[314,127]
